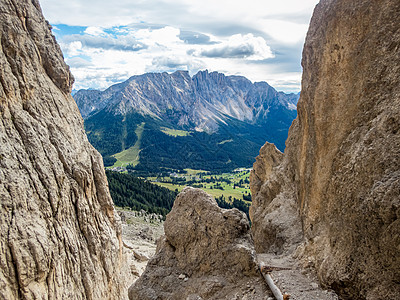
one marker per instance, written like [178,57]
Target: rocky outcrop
[342,161]
[207,253]
[276,224]
[60,236]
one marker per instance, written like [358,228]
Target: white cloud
[239,46]
[166,36]
[74,48]
[96,31]
[285,31]
[160,50]
[78,62]
[173,63]
[255,38]
[105,42]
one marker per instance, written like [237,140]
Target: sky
[106,42]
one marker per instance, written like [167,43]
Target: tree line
[136,193]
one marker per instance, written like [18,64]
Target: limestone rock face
[276,223]
[343,151]
[59,237]
[207,253]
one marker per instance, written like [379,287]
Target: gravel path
[299,283]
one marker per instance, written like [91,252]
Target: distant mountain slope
[138,194]
[226,119]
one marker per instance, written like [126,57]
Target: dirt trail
[141,230]
[299,283]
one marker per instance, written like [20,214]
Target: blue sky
[106,42]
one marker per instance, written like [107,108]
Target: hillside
[222,121]
[139,194]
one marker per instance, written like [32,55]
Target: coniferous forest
[137,193]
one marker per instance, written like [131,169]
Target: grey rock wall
[60,237]
[342,159]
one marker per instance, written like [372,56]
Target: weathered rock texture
[276,224]
[60,236]
[207,253]
[343,151]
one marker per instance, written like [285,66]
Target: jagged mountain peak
[203,101]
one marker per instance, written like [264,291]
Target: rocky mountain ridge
[200,102]
[226,120]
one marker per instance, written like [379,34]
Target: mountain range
[208,121]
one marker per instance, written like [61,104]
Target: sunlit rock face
[342,161]
[59,237]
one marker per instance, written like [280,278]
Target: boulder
[207,252]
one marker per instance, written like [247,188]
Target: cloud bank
[106,42]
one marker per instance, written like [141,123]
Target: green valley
[174,132]
[228,185]
[157,193]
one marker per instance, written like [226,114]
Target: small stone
[314,285]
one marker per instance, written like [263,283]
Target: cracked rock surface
[60,237]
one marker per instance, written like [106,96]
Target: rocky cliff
[60,236]
[341,165]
